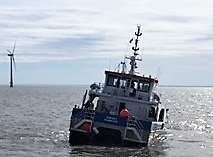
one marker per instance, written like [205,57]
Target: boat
[126,110]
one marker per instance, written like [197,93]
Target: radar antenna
[135,48]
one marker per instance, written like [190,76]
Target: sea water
[34,122]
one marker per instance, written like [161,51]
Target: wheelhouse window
[110,80]
[140,86]
[127,83]
[146,87]
[116,82]
[143,86]
[123,83]
[113,81]
[134,84]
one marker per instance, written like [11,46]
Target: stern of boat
[116,130]
[81,126]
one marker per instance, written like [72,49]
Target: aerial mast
[11,70]
[135,48]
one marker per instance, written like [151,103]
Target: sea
[34,122]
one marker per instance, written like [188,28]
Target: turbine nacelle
[10,55]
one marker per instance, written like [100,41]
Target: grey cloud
[205,38]
[73,43]
[175,18]
[99,30]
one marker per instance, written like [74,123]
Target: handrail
[87,114]
[96,88]
[132,122]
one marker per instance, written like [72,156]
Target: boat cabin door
[121,107]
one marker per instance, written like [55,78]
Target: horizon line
[43,84]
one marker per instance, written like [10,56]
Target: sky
[74,41]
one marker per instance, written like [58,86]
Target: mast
[12,61]
[11,70]
[135,48]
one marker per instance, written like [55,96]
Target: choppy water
[34,121]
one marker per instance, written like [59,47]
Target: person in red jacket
[124,113]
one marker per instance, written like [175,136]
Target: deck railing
[82,114]
[132,122]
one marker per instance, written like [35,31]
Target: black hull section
[79,138]
[108,137]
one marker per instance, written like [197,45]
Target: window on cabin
[134,84]
[123,83]
[143,86]
[127,83]
[146,87]
[140,86]
[110,80]
[113,81]
[116,82]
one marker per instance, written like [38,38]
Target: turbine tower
[12,63]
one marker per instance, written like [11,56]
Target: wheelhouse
[129,85]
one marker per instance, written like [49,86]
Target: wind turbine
[12,62]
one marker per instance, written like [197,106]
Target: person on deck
[124,113]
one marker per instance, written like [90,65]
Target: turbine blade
[9,51]
[14,63]
[14,47]
[131,40]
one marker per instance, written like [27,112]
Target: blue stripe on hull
[113,120]
[119,121]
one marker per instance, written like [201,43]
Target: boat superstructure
[124,110]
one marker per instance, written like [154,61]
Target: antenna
[12,63]
[123,70]
[122,66]
[158,72]
[135,48]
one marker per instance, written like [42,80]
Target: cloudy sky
[74,41]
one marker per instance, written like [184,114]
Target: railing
[82,114]
[96,87]
[132,122]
